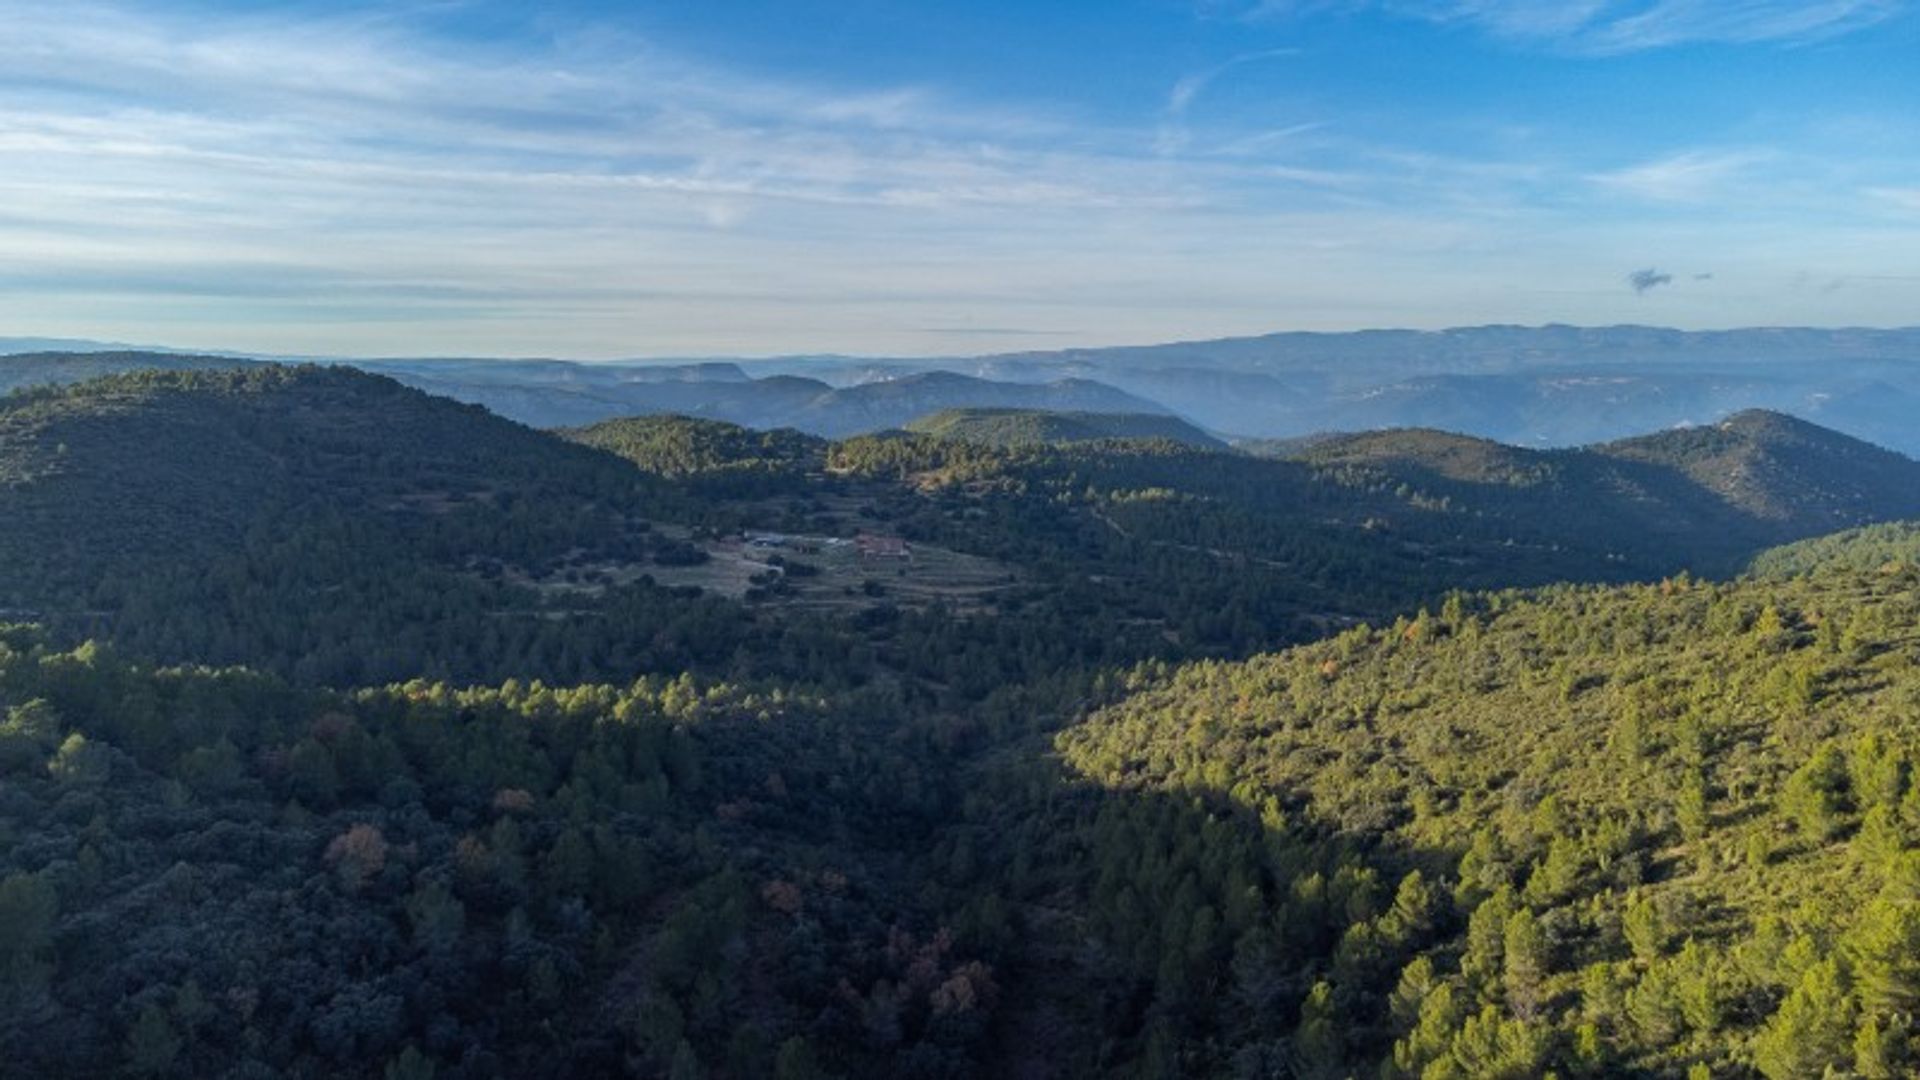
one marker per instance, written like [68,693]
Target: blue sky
[733,177]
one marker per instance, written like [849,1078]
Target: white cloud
[1677,22]
[1622,26]
[1685,177]
[1903,198]
[358,185]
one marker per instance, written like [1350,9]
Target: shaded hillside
[327,522]
[1598,832]
[211,873]
[1779,469]
[1720,492]
[1015,427]
[63,368]
[163,462]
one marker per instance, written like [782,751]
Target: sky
[885,177]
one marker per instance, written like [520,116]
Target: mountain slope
[172,451]
[1873,548]
[1777,468]
[1014,427]
[1601,832]
[1723,492]
[328,523]
[681,446]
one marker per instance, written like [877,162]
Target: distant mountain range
[552,393]
[1533,386]
[1537,386]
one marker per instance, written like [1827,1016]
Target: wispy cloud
[1188,88]
[1906,198]
[1617,26]
[1627,28]
[595,106]
[146,155]
[299,183]
[1684,177]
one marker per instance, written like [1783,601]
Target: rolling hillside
[126,493]
[1611,832]
[1016,427]
[493,794]
[1722,491]
[682,446]
[1883,548]
[1776,468]
[321,520]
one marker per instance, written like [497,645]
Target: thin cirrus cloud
[146,156]
[1620,26]
[366,183]
[377,98]
[1173,136]
[1685,177]
[1903,198]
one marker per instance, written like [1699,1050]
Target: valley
[1011,743]
[807,540]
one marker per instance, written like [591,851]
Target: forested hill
[1724,490]
[62,368]
[1777,468]
[313,517]
[1017,427]
[1226,551]
[1656,830]
[166,463]
[415,743]
[1884,547]
[189,516]
[682,446]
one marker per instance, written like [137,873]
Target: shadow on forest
[1152,928]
